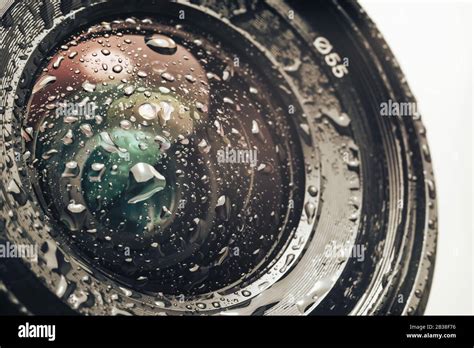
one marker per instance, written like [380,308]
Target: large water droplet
[68,138]
[117,68]
[165,111]
[148,111]
[163,142]
[88,87]
[109,146]
[161,44]
[76,208]
[43,82]
[167,76]
[310,210]
[341,119]
[71,170]
[57,63]
[319,289]
[86,129]
[145,182]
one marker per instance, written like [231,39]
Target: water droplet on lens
[76,208]
[203,146]
[201,107]
[68,139]
[71,170]
[47,155]
[161,44]
[117,68]
[88,87]
[97,166]
[148,111]
[340,119]
[108,145]
[253,90]
[163,142]
[313,191]
[57,63]
[310,210]
[246,293]
[319,290]
[146,182]
[13,187]
[305,128]
[288,261]
[128,91]
[190,78]
[255,127]
[43,82]
[86,129]
[70,119]
[164,90]
[125,124]
[165,212]
[62,287]
[223,208]
[165,111]
[168,77]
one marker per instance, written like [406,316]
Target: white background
[432,41]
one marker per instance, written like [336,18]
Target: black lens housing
[373,167]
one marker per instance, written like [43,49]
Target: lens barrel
[209,157]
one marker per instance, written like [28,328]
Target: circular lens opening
[164,157]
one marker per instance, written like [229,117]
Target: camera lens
[210,157]
[155,175]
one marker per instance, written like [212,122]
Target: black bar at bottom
[294,331]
